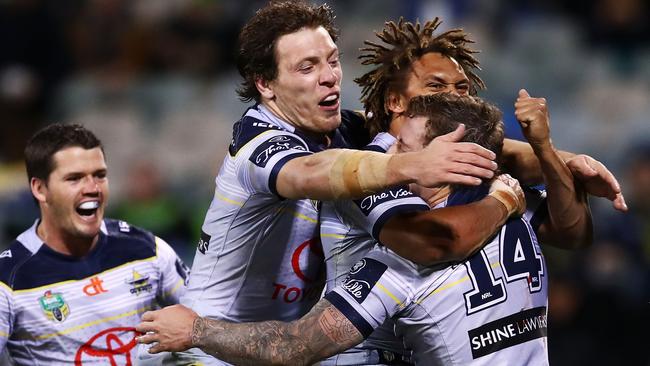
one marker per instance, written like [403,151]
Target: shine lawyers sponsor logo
[509,331]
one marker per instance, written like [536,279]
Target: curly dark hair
[444,112]
[407,42]
[258,38]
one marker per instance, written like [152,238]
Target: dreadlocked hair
[405,43]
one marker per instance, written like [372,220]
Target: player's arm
[569,222]
[6,316]
[173,274]
[520,160]
[323,332]
[451,233]
[341,173]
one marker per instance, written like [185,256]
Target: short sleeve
[173,274]
[259,162]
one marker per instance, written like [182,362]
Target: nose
[91,186]
[329,75]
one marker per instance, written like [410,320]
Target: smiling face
[74,197]
[306,91]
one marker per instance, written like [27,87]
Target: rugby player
[259,256]
[491,309]
[74,285]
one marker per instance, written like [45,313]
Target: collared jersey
[490,309]
[349,230]
[260,256]
[57,309]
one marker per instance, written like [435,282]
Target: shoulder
[353,129]
[11,260]
[131,240]
[245,130]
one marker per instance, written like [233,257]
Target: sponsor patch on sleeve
[204,242]
[362,278]
[368,203]
[275,145]
[509,331]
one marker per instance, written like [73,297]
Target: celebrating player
[73,286]
[491,309]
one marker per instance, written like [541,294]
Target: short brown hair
[407,42]
[256,57]
[51,139]
[445,111]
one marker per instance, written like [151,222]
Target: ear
[39,189]
[265,89]
[396,103]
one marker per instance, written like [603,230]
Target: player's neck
[396,122]
[63,242]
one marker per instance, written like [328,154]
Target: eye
[462,88]
[100,175]
[334,62]
[436,86]
[306,68]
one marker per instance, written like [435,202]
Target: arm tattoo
[336,326]
[322,332]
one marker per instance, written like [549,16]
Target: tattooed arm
[323,332]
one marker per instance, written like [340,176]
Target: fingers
[148,316]
[523,93]
[147,338]
[453,178]
[453,136]
[619,203]
[475,149]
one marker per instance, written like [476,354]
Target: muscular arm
[323,332]
[569,224]
[444,234]
[344,174]
[520,161]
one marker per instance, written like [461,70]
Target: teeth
[90,205]
[330,98]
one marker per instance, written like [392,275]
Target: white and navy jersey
[349,229]
[57,309]
[260,256]
[491,309]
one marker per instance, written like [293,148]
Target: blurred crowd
[155,80]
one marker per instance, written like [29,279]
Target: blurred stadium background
[155,80]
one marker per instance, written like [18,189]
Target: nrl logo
[54,306]
[139,282]
[6,254]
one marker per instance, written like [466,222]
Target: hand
[597,180]
[170,328]
[533,118]
[447,161]
[507,190]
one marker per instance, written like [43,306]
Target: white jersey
[260,255]
[57,309]
[349,230]
[490,309]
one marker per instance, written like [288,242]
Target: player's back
[491,309]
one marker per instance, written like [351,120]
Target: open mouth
[330,101]
[88,208]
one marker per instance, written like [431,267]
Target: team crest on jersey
[54,306]
[362,278]
[274,145]
[6,254]
[139,282]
